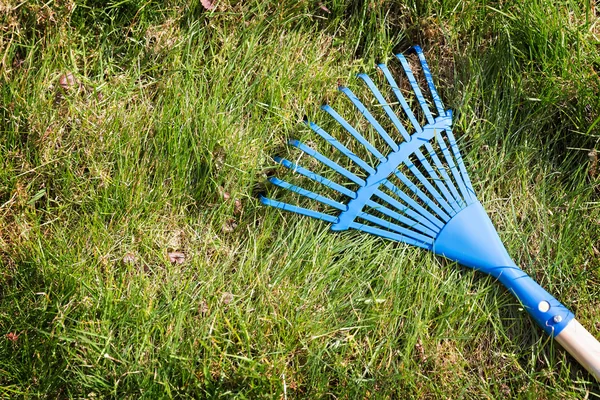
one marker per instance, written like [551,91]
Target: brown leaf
[229,226]
[593,170]
[322,7]
[13,337]
[237,208]
[207,4]
[176,239]
[203,307]
[227,298]
[129,259]
[176,257]
[223,193]
[67,81]
[420,350]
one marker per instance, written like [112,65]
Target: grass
[160,140]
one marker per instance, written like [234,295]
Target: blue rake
[420,193]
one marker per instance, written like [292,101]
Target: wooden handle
[582,346]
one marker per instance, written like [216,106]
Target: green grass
[162,142]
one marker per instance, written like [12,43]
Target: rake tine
[468,191]
[428,78]
[325,200]
[454,202]
[376,153]
[400,97]
[415,87]
[428,202]
[452,166]
[399,217]
[395,228]
[417,212]
[298,210]
[363,110]
[388,235]
[341,170]
[315,177]
[353,132]
[307,193]
[343,149]
[436,195]
[386,107]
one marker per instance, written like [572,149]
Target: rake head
[411,186]
[415,189]
[419,183]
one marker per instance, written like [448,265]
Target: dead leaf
[593,156]
[203,307]
[226,196]
[175,239]
[322,7]
[207,4]
[176,257]
[129,259]
[67,81]
[237,208]
[420,350]
[227,298]
[13,337]
[18,62]
[229,226]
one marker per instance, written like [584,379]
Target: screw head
[544,306]
[557,319]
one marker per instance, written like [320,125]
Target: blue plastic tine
[410,185]
[353,132]
[365,112]
[415,87]
[400,97]
[438,181]
[399,217]
[343,149]
[341,170]
[429,79]
[389,235]
[298,210]
[464,182]
[396,228]
[315,177]
[386,107]
[307,193]
[451,165]
[436,195]
[417,212]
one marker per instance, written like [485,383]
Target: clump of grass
[134,129]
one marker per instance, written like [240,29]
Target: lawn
[136,260]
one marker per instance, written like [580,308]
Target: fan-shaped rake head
[419,182]
[417,190]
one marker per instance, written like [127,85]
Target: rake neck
[470,239]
